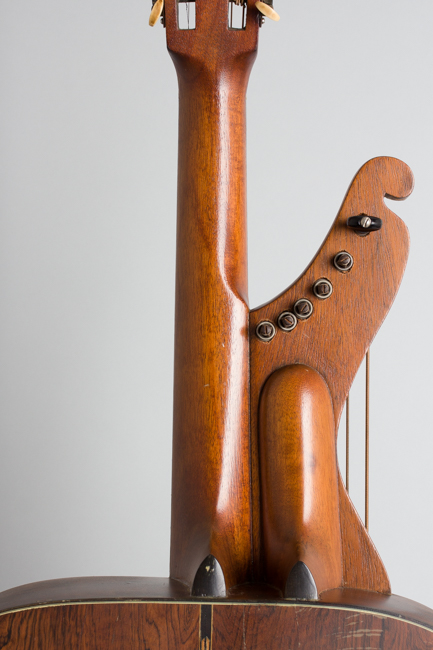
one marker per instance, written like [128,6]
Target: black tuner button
[362,224]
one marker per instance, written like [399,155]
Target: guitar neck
[211,458]
[257,494]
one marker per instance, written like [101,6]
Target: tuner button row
[303,308]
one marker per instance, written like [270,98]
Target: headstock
[212,32]
[212,44]
[237,13]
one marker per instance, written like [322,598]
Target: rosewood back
[158,614]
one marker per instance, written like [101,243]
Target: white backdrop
[88,200]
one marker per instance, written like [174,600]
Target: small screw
[287,321]
[322,289]
[365,222]
[303,308]
[343,261]
[265,331]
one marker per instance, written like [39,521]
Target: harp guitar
[267,550]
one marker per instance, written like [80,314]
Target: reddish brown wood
[309,628]
[298,477]
[303,378]
[132,626]
[211,505]
[164,626]
[335,338]
[103,589]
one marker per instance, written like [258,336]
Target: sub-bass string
[347,443]
[367,435]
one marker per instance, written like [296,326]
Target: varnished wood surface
[216,502]
[286,628]
[134,626]
[298,477]
[114,626]
[335,338]
[211,502]
[348,619]
[117,588]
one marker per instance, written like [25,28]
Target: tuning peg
[363,224]
[156,12]
[267,10]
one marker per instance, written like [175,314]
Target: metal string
[347,444]
[367,435]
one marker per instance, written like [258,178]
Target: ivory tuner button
[267,11]
[156,12]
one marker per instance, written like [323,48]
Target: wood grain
[166,626]
[114,588]
[241,482]
[298,477]
[111,626]
[286,628]
[335,338]
[211,504]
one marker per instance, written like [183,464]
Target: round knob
[303,309]
[322,289]
[343,261]
[265,331]
[287,321]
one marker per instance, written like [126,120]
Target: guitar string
[347,444]
[367,435]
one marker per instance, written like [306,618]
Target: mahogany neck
[211,509]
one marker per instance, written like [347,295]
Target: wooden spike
[156,12]
[267,11]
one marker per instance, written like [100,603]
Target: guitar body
[157,614]
[267,550]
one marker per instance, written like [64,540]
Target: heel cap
[209,580]
[300,584]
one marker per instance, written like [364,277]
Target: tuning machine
[156,12]
[363,224]
[266,10]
